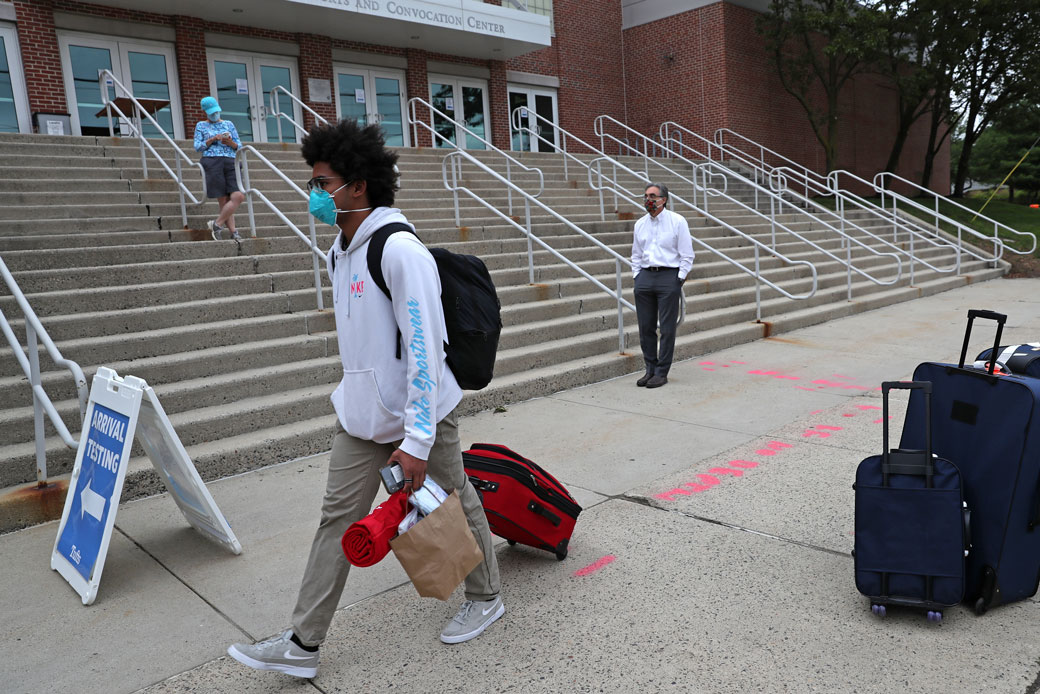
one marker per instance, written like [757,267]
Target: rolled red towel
[366,542]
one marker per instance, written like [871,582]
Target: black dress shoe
[657,382]
[645,379]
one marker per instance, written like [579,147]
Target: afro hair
[358,153]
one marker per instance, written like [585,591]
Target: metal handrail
[847,239]
[416,122]
[756,244]
[30,364]
[455,187]
[778,178]
[911,224]
[242,178]
[760,162]
[713,168]
[886,191]
[278,115]
[665,132]
[518,125]
[136,128]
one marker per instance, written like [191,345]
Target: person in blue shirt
[217,140]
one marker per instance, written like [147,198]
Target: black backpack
[472,312]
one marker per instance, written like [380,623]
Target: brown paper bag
[439,551]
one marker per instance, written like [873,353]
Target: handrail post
[180,191]
[912,258]
[140,139]
[509,189]
[620,312]
[249,193]
[563,142]
[530,244]
[758,286]
[277,112]
[455,175]
[34,383]
[317,267]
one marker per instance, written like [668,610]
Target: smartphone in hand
[393,478]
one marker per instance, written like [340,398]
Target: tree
[1001,147]
[996,70]
[817,46]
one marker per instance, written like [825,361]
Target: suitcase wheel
[879,610]
[511,542]
[561,555]
[935,616]
[980,606]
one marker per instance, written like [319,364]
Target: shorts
[220,176]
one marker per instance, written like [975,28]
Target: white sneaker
[215,230]
[279,654]
[473,618]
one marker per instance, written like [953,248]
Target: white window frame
[531,92]
[369,73]
[253,61]
[14,62]
[457,84]
[121,68]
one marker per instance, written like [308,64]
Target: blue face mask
[214,117]
[323,207]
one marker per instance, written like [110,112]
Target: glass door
[463,101]
[14,110]
[145,69]
[242,84]
[538,102]
[373,96]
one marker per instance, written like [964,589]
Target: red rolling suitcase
[523,502]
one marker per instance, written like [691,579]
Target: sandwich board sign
[120,411]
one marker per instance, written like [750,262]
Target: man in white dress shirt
[662,257]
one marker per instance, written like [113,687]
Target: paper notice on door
[359,96]
[241,86]
[55,127]
[449,104]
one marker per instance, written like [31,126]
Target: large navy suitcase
[989,425]
[912,526]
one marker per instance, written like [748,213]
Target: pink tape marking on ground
[880,419]
[814,411]
[596,565]
[705,363]
[733,361]
[849,414]
[867,407]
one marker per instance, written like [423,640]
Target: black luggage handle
[974,313]
[907,462]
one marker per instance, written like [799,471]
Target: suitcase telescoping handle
[974,313]
[901,461]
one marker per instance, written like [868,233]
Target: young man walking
[396,401]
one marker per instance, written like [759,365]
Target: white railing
[135,125]
[511,161]
[242,174]
[671,132]
[276,111]
[753,155]
[603,182]
[30,363]
[883,186]
[594,168]
[913,226]
[451,172]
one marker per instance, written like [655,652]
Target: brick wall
[315,63]
[192,72]
[41,58]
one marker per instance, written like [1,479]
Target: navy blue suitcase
[912,525]
[989,425]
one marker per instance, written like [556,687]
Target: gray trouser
[657,301]
[353,482]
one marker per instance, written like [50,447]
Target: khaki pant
[352,485]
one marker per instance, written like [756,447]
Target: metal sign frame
[120,411]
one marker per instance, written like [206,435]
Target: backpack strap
[375,253]
[375,261]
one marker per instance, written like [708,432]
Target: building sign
[463,15]
[119,412]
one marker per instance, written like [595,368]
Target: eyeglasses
[653,198]
[319,182]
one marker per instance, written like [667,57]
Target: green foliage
[1001,147]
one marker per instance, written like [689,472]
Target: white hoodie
[382,398]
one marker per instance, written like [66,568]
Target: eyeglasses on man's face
[319,182]
[650,197]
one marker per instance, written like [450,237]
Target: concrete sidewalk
[712,554]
